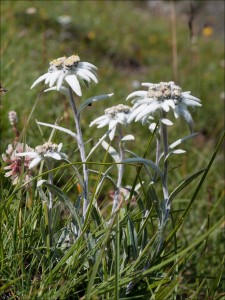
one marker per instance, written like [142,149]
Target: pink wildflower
[15,164]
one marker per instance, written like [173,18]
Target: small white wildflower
[64,20]
[12,117]
[161,97]
[71,70]
[43,152]
[113,116]
[135,84]
[222,95]
[31,10]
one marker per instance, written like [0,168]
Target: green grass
[127,43]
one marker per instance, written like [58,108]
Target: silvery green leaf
[93,99]
[177,151]
[178,142]
[59,128]
[128,137]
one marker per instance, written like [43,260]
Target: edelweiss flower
[45,151]
[112,117]
[15,164]
[70,69]
[64,20]
[161,97]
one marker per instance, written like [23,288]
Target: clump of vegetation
[112,213]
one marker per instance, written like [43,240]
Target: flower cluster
[113,116]
[43,152]
[70,69]
[15,164]
[12,117]
[161,98]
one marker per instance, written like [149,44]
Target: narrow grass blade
[64,198]
[184,183]
[143,161]
[204,175]
[194,296]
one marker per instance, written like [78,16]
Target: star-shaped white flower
[43,152]
[113,116]
[163,97]
[71,70]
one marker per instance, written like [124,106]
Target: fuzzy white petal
[35,162]
[40,79]
[53,155]
[54,77]
[90,75]
[112,133]
[145,119]
[60,147]
[135,112]
[137,94]
[103,122]
[112,124]
[171,103]
[190,102]
[74,84]
[31,154]
[60,81]
[149,110]
[122,118]
[83,75]
[184,113]
[128,137]
[188,96]
[98,120]
[88,65]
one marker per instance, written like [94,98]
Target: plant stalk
[120,173]
[80,143]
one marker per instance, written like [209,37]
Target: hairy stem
[165,208]
[50,204]
[157,155]
[120,173]
[80,143]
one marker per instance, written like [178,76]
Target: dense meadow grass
[110,259]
